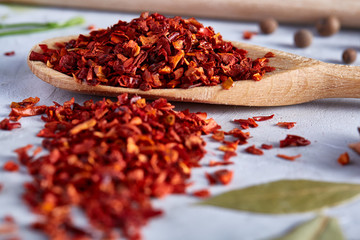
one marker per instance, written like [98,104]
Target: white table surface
[329,124]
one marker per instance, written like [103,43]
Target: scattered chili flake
[266,146]
[7,228]
[5,124]
[218,135]
[26,108]
[223,176]
[229,146]
[287,125]
[110,158]
[1,187]
[211,179]
[216,163]
[91,27]
[22,154]
[246,123]
[17,113]
[228,155]
[10,166]
[9,219]
[248,34]
[257,77]
[344,159]
[12,53]
[269,55]
[253,150]
[263,118]
[228,83]
[209,125]
[203,193]
[240,135]
[28,102]
[153,51]
[293,140]
[290,158]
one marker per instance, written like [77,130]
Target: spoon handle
[340,81]
[303,80]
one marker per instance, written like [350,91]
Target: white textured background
[329,124]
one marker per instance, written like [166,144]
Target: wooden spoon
[296,80]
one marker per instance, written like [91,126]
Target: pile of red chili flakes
[109,158]
[153,51]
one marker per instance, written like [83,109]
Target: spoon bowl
[296,80]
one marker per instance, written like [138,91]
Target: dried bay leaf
[319,228]
[285,196]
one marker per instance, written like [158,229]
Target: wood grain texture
[296,80]
[294,11]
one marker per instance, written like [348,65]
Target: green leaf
[286,196]
[73,21]
[29,27]
[319,228]
[23,25]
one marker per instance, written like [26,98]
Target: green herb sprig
[25,28]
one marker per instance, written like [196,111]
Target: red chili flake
[228,83]
[246,123]
[344,159]
[257,77]
[253,150]
[10,166]
[228,155]
[293,140]
[263,118]
[229,146]
[240,135]
[216,163]
[203,193]
[269,55]
[1,187]
[266,146]
[223,176]
[9,219]
[23,155]
[290,158]
[208,125]
[212,180]
[28,102]
[7,228]
[110,159]
[17,113]
[12,53]
[218,135]
[287,125]
[248,34]
[153,51]
[91,27]
[5,124]
[26,108]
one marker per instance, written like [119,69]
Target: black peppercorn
[303,38]
[268,25]
[349,55]
[328,26]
